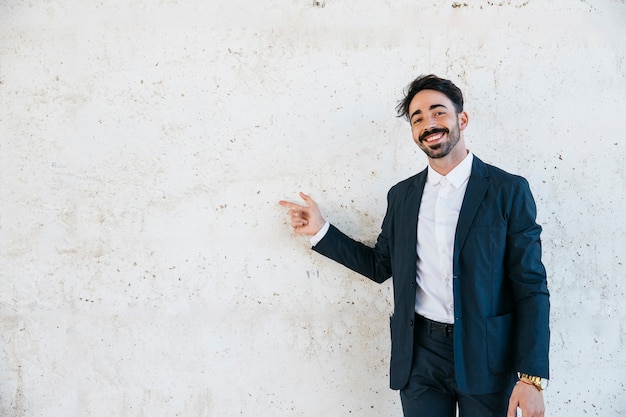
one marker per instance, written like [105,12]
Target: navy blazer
[501,299]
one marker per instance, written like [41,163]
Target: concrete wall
[145,266]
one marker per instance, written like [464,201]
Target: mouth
[433,135]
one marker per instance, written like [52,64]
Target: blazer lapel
[476,189]
[411,210]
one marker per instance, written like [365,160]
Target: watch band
[532,380]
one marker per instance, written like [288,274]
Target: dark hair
[430,82]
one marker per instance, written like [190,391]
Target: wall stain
[515,3]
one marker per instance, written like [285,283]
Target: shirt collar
[457,176]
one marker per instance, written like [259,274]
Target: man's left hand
[528,398]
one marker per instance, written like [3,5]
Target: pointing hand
[305,220]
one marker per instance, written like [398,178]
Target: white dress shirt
[436,229]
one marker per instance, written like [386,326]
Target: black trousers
[432,390]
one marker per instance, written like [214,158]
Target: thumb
[512,412]
[307,199]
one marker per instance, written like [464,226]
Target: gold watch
[537,381]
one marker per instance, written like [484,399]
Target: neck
[446,164]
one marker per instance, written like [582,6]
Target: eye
[440,113]
[417,121]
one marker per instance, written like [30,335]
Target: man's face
[435,125]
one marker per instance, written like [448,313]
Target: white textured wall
[145,266]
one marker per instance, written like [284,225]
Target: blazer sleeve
[529,284]
[374,263]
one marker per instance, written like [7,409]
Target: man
[471,304]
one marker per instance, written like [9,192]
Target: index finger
[291,205]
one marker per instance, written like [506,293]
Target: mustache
[433,131]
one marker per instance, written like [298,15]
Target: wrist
[315,239]
[537,381]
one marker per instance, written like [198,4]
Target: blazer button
[411,323]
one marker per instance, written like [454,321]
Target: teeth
[434,137]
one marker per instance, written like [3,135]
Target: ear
[463,119]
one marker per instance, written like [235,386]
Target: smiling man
[470,328]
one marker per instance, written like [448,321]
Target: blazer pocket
[500,343]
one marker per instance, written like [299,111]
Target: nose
[430,122]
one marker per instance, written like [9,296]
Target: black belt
[434,326]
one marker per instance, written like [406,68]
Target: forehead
[427,98]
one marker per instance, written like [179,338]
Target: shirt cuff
[320,235]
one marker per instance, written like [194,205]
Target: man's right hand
[305,220]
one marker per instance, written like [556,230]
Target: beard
[443,148]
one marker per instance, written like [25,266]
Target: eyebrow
[433,106]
